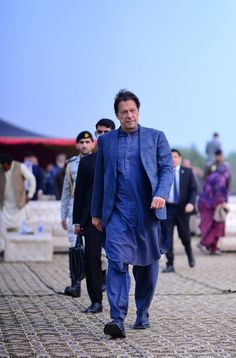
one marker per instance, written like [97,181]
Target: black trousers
[177,217]
[93,248]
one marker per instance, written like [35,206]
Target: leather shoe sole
[114,330]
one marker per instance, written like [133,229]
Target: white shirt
[171,195]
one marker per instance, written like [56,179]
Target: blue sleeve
[165,167]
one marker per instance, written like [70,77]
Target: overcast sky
[63,61]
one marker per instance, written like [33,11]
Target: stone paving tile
[191,315]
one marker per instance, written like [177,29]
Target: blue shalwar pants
[118,286]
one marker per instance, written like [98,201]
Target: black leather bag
[78,258]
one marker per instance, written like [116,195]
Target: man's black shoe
[115,329]
[94,308]
[191,260]
[141,325]
[169,268]
[73,291]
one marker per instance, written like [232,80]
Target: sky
[63,61]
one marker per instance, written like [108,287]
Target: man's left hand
[158,202]
[78,229]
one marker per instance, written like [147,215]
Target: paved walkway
[193,313]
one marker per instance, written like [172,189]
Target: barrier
[23,248]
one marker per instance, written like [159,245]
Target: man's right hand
[97,222]
[64,224]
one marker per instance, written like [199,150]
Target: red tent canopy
[18,141]
[44,141]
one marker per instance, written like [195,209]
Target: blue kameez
[133,231]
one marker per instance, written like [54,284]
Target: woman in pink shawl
[215,194]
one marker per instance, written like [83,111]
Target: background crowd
[49,181]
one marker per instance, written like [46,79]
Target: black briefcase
[78,258]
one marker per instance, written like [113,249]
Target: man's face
[128,115]
[101,130]
[85,146]
[176,159]
[61,160]
[29,160]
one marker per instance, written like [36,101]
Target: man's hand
[64,224]
[189,208]
[97,222]
[78,229]
[158,202]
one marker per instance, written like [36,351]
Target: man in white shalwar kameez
[13,196]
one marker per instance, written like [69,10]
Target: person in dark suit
[58,183]
[180,205]
[133,177]
[31,161]
[83,222]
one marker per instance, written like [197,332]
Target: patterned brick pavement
[193,313]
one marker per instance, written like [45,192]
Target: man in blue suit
[133,177]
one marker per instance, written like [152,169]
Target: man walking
[132,180]
[83,222]
[180,205]
[84,144]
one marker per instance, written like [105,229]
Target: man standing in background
[180,205]
[83,222]
[51,175]
[84,144]
[211,147]
[31,162]
[13,195]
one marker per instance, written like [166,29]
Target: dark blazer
[188,189]
[156,159]
[83,190]
[40,179]
[58,183]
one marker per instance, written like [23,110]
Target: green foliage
[195,157]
